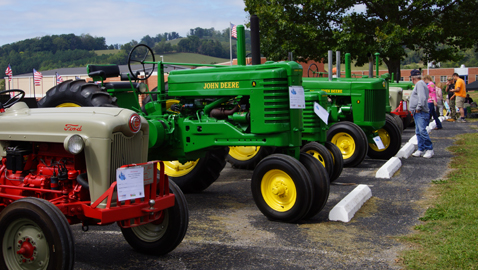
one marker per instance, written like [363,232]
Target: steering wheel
[140,54]
[15,98]
[313,70]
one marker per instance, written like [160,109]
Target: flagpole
[230,41]
[33,83]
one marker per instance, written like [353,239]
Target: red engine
[43,170]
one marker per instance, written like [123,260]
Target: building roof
[82,70]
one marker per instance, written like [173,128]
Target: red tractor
[62,166]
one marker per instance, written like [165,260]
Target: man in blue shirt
[419,108]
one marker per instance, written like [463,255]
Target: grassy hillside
[191,58]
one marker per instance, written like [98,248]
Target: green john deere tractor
[214,108]
[359,123]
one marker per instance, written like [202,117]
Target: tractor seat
[104,71]
[120,85]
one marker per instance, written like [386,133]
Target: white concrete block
[348,206]
[413,140]
[406,150]
[389,168]
[432,125]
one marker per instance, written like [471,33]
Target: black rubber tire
[77,92]
[320,184]
[298,174]
[252,162]
[354,133]
[206,171]
[407,120]
[176,224]
[397,120]
[51,223]
[338,160]
[392,132]
[321,153]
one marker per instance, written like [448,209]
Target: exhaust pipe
[330,65]
[337,59]
[255,41]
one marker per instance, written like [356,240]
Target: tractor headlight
[143,88]
[74,144]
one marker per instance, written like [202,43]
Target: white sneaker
[428,154]
[418,153]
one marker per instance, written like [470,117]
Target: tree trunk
[393,67]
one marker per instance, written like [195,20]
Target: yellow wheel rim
[68,104]
[278,190]
[316,155]
[176,169]
[385,137]
[345,143]
[243,152]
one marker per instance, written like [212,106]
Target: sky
[118,21]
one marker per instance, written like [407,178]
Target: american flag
[233,31]
[59,79]
[9,73]
[37,76]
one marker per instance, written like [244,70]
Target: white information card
[378,142]
[321,113]
[296,97]
[130,183]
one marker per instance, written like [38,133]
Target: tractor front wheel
[351,141]
[34,234]
[196,176]
[162,236]
[320,184]
[391,139]
[398,121]
[282,188]
[247,157]
[338,160]
[320,152]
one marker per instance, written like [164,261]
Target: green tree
[309,28]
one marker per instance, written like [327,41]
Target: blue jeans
[431,109]
[421,122]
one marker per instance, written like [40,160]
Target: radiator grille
[276,102]
[374,105]
[125,150]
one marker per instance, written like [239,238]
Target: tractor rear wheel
[247,157]
[162,236]
[338,160]
[391,139]
[196,176]
[77,93]
[351,141]
[34,234]
[320,152]
[282,188]
[320,184]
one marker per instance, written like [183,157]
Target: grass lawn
[448,236]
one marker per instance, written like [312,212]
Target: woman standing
[432,100]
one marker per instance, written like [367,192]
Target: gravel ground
[227,231]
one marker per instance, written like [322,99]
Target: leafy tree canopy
[309,28]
